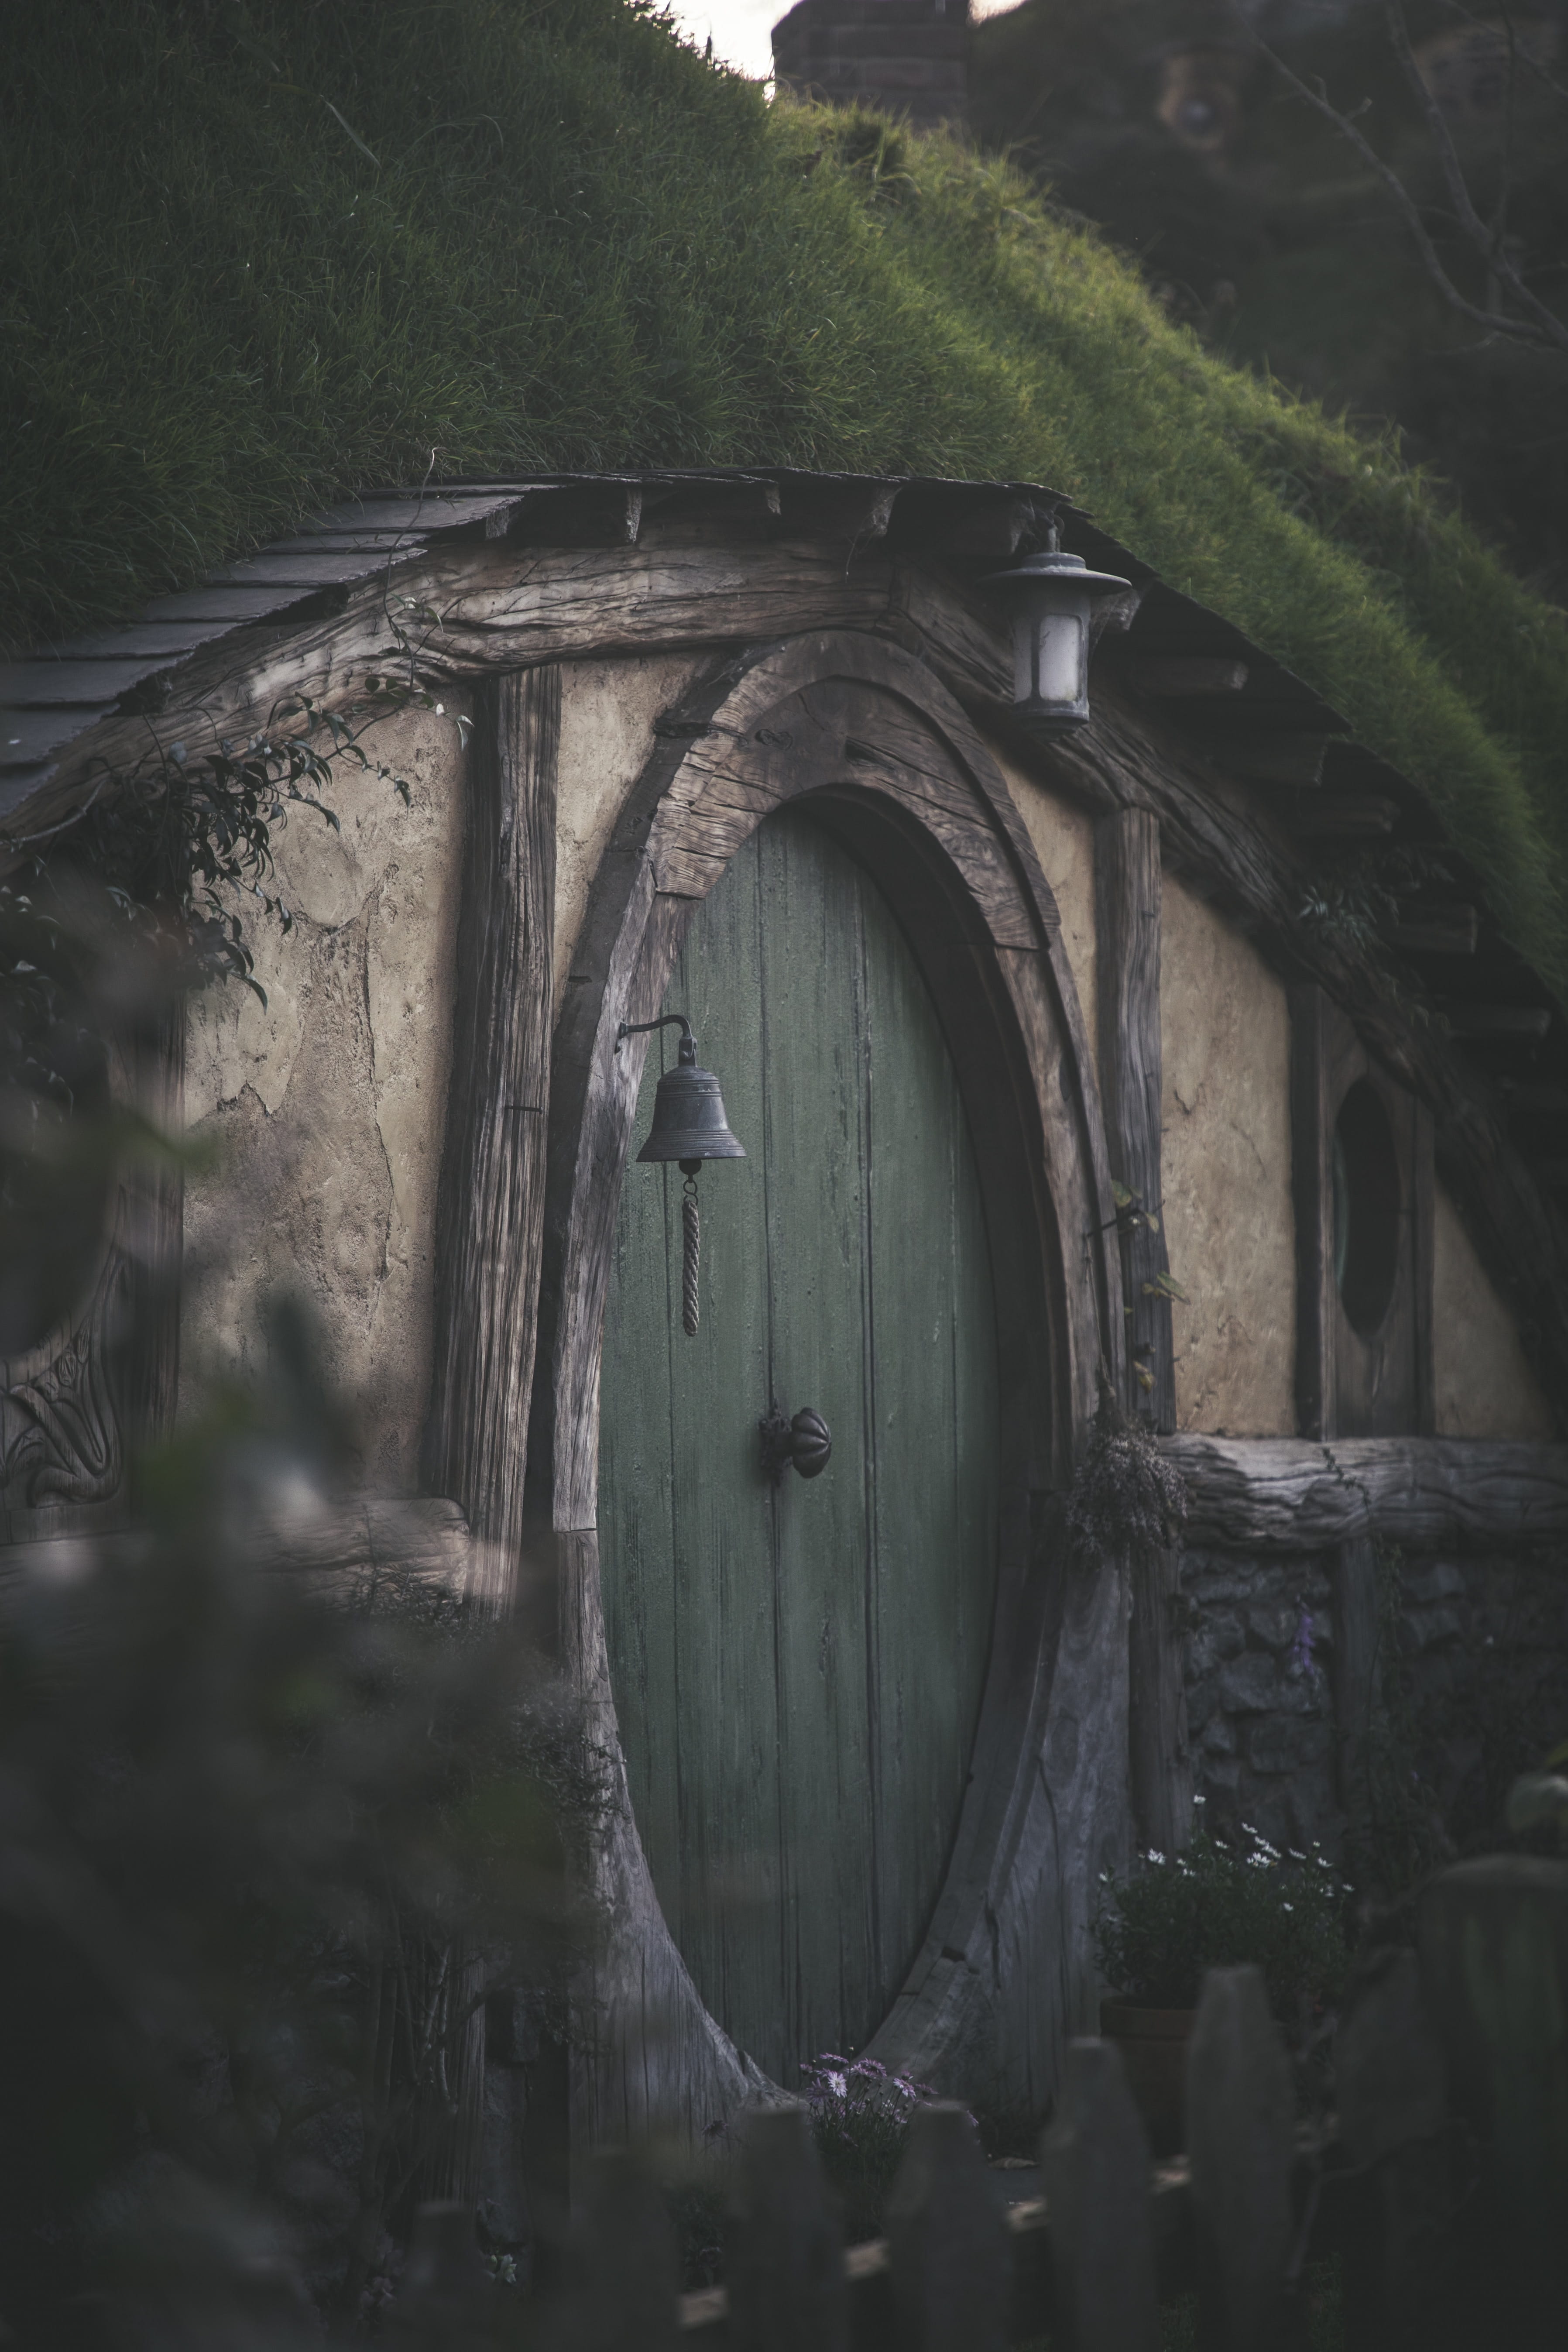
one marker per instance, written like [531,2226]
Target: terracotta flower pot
[1154,2046]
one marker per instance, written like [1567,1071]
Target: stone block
[1434,1580]
[1202,1698]
[1273,1622]
[1428,1629]
[1209,1576]
[1255,1685]
[1288,1743]
[1219,1736]
[1218,1637]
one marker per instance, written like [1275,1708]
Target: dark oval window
[1366,1208]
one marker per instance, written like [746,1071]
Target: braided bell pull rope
[691,1227]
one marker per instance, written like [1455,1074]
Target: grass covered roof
[260,253]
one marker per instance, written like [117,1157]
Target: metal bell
[688,1121]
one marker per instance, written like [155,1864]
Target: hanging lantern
[1048,596]
[689,1127]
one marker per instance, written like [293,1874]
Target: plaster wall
[1063,835]
[607,710]
[1230,1227]
[326,1110]
[1484,1387]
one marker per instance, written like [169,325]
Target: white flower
[1153,1855]
[1257,1862]
[1287,1907]
[1294,1855]
[1200,1801]
[1320,1863]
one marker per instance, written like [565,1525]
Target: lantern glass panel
[1061,657]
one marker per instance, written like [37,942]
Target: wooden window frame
[1348,1384]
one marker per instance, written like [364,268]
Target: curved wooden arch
[892,766]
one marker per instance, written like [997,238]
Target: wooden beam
[1127,917]
[1437,930]
[1285,1494]
[1127,886]
[1348,817]
[345,1550]
[492,1178]
[1173,676]
[1279,757]
[1523,1021]
[1312,1020]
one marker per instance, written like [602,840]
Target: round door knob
[803,1443]
[812,1442]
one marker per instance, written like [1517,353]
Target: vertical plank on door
[933,1358]
[492,1178]
[724,1716]
[814,1018]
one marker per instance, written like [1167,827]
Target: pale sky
[741,28]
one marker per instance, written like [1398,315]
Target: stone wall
[1479,1686]
[1260,1708]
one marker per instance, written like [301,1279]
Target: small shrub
[1220,1905]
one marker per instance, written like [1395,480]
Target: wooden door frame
[1001,1977]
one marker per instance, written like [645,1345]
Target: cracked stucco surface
[1484,1386]
[327,1108]
[1063,835]
[607,710]
[1230,1225]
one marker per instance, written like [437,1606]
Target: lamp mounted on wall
[689,1127]
[1049,598]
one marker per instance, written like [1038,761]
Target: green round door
[797,1671]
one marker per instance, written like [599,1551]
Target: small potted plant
[1220,1904]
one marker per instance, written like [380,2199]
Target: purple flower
[1301,1659]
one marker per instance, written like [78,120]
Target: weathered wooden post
[1095,2169]
[951,2263]
[784,2251]
[1492,1935]
[1240,2144]
[1390,2091]
[627,2272]
[1128,881]
[447,2299]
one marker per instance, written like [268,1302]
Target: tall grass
[259,255]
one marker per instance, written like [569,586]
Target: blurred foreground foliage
[264,1850]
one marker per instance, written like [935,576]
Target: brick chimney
[906,57]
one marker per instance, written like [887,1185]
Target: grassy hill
[258,254]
